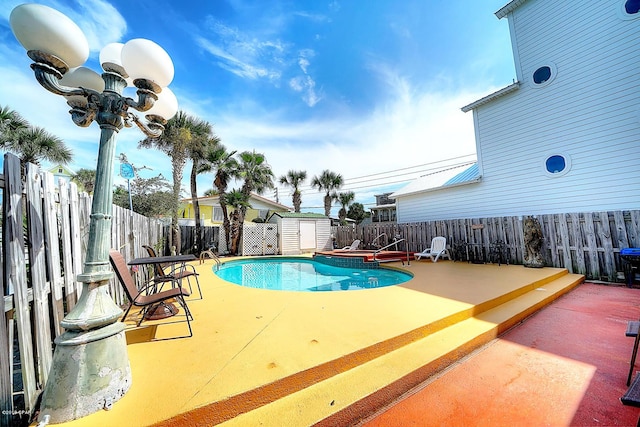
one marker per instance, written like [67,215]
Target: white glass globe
[111,57]
[83,77]
[39,27]
[144,59]
[166,106]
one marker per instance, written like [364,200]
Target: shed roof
[451,177]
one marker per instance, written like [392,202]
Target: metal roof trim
[508,8]
[497,94]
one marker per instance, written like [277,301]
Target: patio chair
[175,274]
[633,329]
[145,297]
[352,247]
[437,250]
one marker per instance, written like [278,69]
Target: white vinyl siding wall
[289,234]
[590,112]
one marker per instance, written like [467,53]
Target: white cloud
[411,126]
[243,54]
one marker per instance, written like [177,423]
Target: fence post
[15,273]
[37,272]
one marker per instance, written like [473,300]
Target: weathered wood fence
[45,231]
[584,243]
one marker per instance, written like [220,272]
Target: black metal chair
[176,273]
[498,251]
[145,297]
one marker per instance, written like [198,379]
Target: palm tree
[255,172]
[226,169]
[239,202]
[257,175]
[327,181]
[197,152]
[10,122]
[211,192]
[34,144]
[294,179]
[31,144]
[85,178]
[179,134]
[345,200]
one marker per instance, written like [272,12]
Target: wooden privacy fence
[583,243]
[44,238]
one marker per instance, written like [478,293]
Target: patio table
[631,263]
[163,309]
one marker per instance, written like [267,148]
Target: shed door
[307,235]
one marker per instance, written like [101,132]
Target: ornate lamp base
[90,372]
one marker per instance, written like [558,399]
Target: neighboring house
[385,209]
[565,137]
[211,213]
[61,171]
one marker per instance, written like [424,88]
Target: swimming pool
[296,274]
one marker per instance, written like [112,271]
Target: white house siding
[590,112]
[289,237]
[323,235]
[289,234]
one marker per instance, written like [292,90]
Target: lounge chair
[142,297]
[352,247]
[437,250]
[175,274]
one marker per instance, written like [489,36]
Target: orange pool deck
[275,358]
[566,365]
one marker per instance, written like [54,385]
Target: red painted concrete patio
[565,365]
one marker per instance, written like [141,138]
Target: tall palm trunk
[327,205]
[236,230]
[226,224]
[196,206]
[174,235]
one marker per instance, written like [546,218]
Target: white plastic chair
[437,250]
[352,247]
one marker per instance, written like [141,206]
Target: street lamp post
[90,369]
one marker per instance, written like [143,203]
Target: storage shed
[302,232]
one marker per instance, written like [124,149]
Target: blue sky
[368,89]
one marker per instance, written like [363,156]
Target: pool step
[338,399]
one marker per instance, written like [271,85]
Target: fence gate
[260,239]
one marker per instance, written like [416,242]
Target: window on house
[217,214]
[541,75]
[557,164]
[632,7]
[544,75]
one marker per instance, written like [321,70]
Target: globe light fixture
[90,369]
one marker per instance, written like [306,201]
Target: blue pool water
[295,274]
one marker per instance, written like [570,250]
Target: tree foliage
[226,168]
[181,132]
[239,202]
[294,179]
[357,213]
[345,199]
[30,143]
[85,179]
[328,182]
[150,197]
